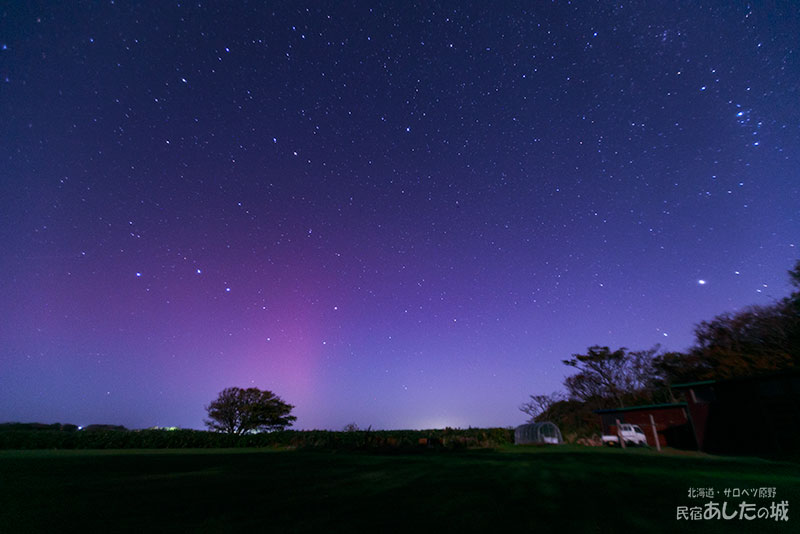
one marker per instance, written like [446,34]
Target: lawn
[507,490]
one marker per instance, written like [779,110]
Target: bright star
[701,282]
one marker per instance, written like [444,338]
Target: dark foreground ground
[556,489]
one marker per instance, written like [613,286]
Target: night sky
[397,215]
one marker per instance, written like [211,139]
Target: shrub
[19,437]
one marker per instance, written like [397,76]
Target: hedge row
[315,439]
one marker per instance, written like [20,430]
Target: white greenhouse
[544,432]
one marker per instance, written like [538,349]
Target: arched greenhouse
[544,432]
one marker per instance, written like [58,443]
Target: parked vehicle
[631,434]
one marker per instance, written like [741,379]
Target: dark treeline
[39,436]
[756,340]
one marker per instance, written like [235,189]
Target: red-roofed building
[672,423]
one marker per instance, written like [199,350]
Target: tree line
[756,340]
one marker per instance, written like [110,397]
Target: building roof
[693,384]
[760,376]
[644,407]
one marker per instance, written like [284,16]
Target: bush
[18,437]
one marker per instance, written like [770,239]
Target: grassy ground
[509,490]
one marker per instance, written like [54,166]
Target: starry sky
[397,214]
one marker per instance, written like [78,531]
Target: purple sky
[403,217]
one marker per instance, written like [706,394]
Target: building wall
[748,416]
[699,401]
[672,425]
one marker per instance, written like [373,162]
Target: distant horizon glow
[393,217]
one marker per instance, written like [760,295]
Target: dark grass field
[550,489]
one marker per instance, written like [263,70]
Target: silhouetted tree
[676,367]
[794,279]
[613,375]
[755,340]
[751,341]
[237,411]
[573,417]
[539,404]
